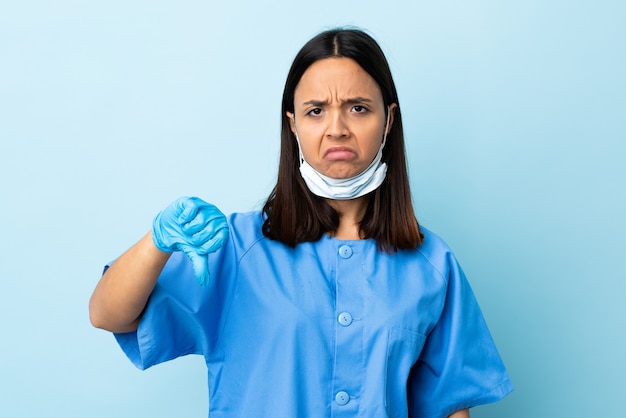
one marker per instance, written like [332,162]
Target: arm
[463,413]
[189,225]
[123,291]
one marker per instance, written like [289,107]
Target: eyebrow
[351,100]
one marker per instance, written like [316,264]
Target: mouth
[339,153]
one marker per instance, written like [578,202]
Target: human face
[339,117]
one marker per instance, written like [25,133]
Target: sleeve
[181,316]
[459,366]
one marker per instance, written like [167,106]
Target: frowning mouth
[339,153]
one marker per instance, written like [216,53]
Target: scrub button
[345,251]
[345,319]
[342,398]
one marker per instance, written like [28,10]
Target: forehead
[336,76]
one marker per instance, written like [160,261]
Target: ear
[392,112]
[292,123]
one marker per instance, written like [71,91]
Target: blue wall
[515,113]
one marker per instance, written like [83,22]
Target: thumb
[200,263]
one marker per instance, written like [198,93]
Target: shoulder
[245,229]
[433,243]
[436,252]
[246,220]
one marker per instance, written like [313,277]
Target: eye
[359,109]
[314,112]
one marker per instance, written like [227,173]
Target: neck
[351,213]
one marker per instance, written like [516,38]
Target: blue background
[515,116]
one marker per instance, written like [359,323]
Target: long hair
[292,213]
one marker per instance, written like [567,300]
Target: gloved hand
[194,227]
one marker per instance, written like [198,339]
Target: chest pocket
[403,350]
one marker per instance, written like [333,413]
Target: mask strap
[386,127]
[295,128]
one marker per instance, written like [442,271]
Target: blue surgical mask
[344,189]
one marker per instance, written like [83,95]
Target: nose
[337,127]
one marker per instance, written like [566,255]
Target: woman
[332,300]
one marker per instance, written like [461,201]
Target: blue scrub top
[330,328]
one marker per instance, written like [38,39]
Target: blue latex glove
[192,226]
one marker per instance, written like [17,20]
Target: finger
[200,265]
[215,242]
[207,219]
[188,210]
[202,236]
[198,223]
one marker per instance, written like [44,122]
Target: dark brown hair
[292,213]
